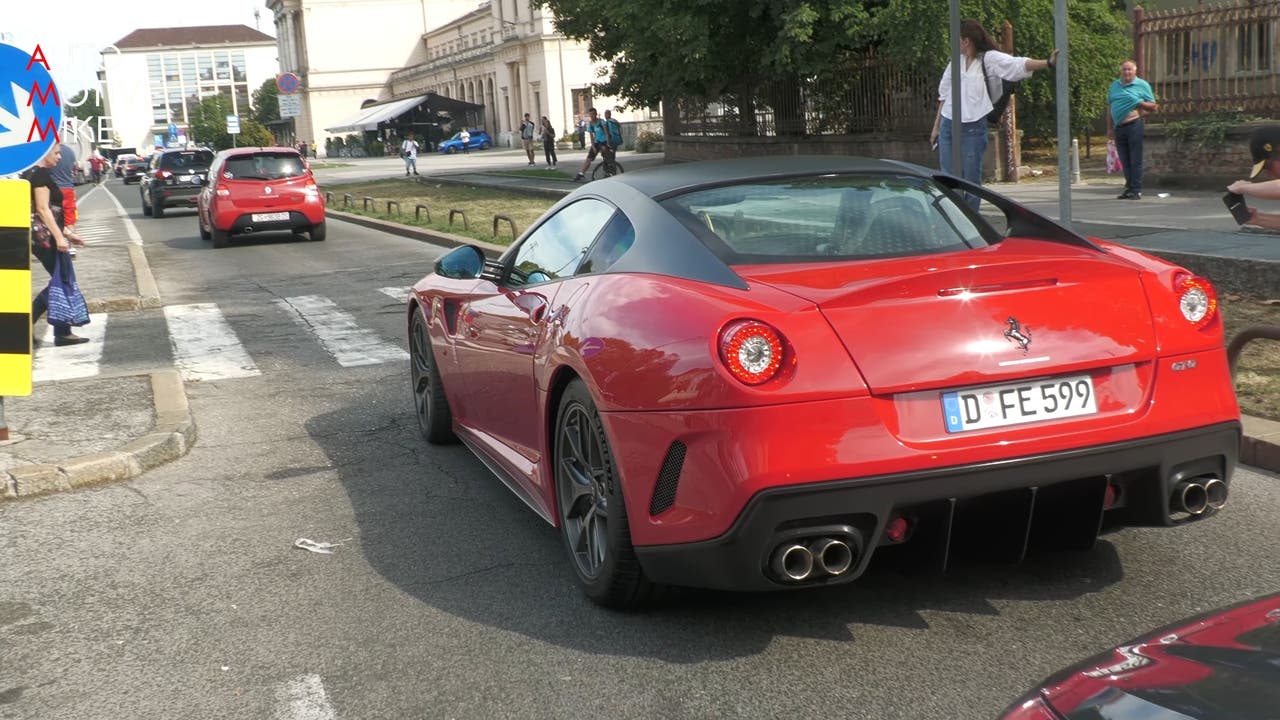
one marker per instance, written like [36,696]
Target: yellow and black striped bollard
[15,293]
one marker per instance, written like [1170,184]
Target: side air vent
[664,493]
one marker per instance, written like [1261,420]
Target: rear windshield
[836,217]
[264,166]
[194,159]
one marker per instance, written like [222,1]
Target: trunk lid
[1020,308]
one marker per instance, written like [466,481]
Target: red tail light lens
[751,350]
[162,174]
[1196,299]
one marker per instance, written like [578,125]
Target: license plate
[186,178]
[1016,403]
[270,217]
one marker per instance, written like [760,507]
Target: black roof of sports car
[677,177]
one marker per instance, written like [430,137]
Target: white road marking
[303,698]
[204,345]
[397,293]
[70,361]
[346,341]
[129,227]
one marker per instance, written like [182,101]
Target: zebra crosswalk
[206,346]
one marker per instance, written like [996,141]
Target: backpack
[999,90]
[614,131]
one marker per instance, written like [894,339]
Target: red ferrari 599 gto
[757,374]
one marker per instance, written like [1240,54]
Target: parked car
[1223,664]
[133,168]
[480,140]
[255,190]
[173,177]
[118,166]
[758,374]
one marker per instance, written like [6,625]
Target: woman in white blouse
[976,49]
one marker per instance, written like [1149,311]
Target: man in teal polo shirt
[1129,100]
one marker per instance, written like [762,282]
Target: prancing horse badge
[1018,335]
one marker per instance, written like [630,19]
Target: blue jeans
[1129,146]
[973,145]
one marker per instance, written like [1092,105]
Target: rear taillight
[222,192]
[751,350]
[162,174]
[1196,299]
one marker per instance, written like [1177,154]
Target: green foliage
[705,48]
[917,33]
[1207,131]
[89,107]
[209,126]
[266,102]
[646,139]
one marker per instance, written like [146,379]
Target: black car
[174,177]
[133,168]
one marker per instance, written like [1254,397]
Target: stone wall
[1171,163]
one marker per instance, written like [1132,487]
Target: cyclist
[599,136]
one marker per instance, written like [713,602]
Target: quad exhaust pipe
[821,557]
[1198,495]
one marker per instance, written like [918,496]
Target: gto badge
[1018,335]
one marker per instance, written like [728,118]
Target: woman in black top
[45,196]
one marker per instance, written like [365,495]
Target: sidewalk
[73,433]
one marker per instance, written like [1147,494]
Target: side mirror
[461,263]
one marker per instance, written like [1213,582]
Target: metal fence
[863,94]
[1210,57]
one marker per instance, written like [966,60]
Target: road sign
[30,109]
[288,83]
[290,106]
[15,289]
[233,124]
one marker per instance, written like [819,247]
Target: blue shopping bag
[66,304]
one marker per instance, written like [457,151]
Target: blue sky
[71,39]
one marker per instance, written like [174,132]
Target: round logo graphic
[30,109]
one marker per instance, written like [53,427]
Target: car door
[499,334]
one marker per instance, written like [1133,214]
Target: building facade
[153,78]
[344,51]
[503,55]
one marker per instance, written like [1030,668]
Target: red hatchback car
[255,190]
[758,374]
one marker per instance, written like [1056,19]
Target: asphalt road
[181,594]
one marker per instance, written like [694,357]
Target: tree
[266,102]
[87,110]
[209,126]
[761,50]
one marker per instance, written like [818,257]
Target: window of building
[222,65]
[1253,47]
[242,100]
[189,70]
[237,66]
[1177,59]
[205,61]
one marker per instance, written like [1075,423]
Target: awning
[368,118]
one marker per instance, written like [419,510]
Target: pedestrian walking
[46,207]
[409,151]
[64,174]
[548,135]
[527,131]
[582,133]
[981,59]
[1129,100]
[1264,148]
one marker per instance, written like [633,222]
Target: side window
[558,246]
[618,237]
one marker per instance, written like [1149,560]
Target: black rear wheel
[435,420]
[592,512]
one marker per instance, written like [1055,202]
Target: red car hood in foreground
[1225,664]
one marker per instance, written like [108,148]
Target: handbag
[1113,158]
[66,304]
[41,235]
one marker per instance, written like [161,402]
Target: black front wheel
[592,512]
[605,169]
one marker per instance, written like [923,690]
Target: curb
[435,237]
[170,438]
[148,292]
